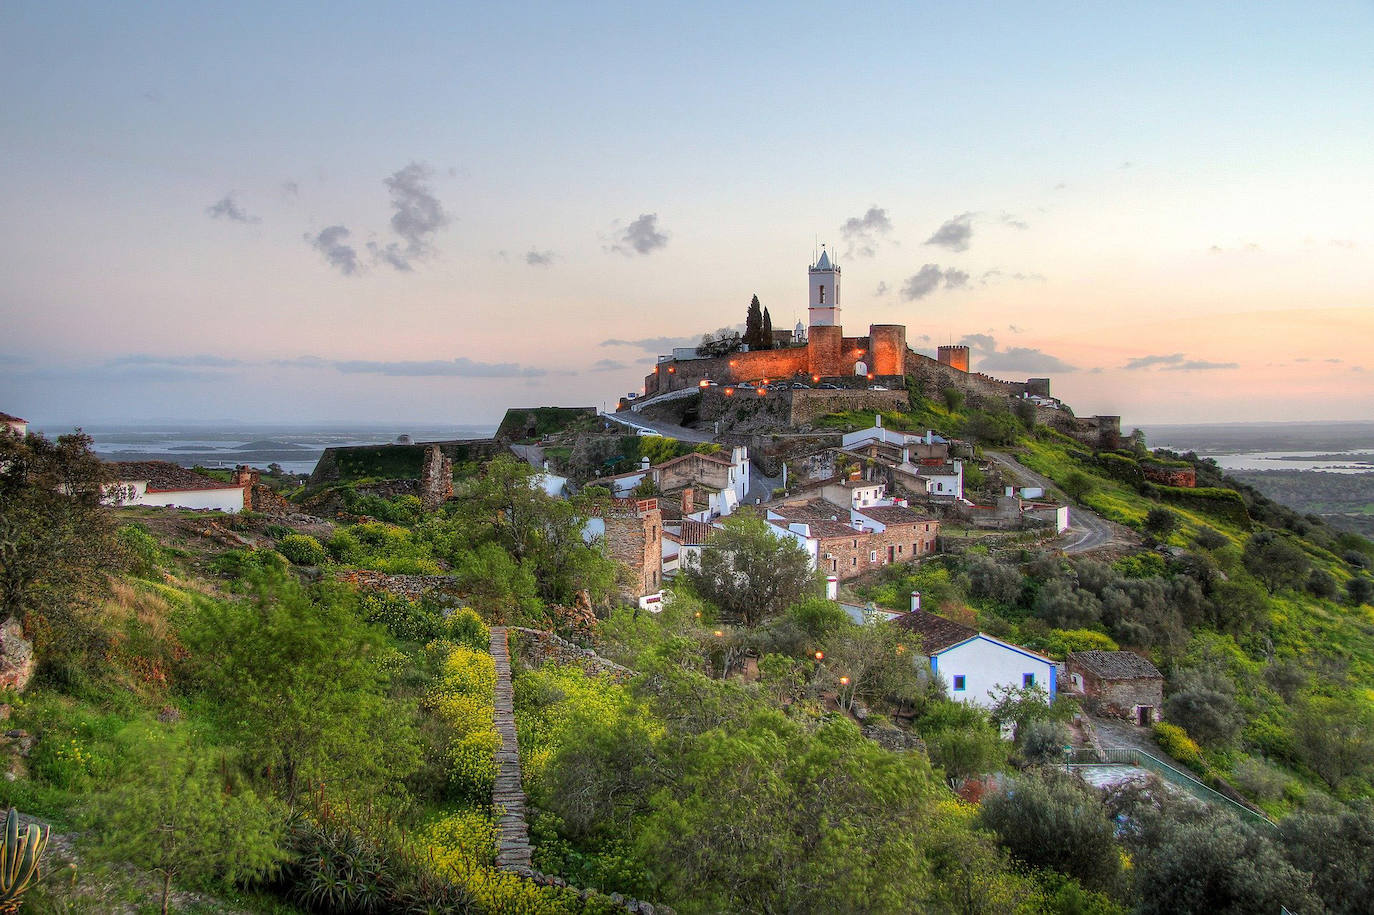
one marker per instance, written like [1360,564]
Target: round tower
[956,357]
[824,280]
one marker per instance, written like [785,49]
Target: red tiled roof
[1114,665]
[705,457]
[824,529]
[695,533]
[6,418]
[936,632]
[164,476]
[811,510]
[894,514]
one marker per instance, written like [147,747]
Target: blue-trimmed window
[1028,680]
[958,682]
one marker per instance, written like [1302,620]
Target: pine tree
[767,339]
[753,325]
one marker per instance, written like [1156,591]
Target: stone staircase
[512,837]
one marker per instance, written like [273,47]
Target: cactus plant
[19,859]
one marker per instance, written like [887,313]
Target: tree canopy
[749,572]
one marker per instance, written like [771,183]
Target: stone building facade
[1120,683]
[633,537]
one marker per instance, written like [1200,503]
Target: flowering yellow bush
[462,699]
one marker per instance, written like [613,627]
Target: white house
[163,483]
[14,425]
[972,663]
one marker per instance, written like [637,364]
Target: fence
[1130,756]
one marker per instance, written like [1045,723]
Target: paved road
[1087,530]
[635,421]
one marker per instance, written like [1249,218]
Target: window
[854,560]
[1028,680]
[821,291]
[872,555]
[958,683]
[899,549]
[856,544]
[916,549]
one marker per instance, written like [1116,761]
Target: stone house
[1121,683]
[631,533]
[847,542]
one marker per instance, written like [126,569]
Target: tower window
[821,290]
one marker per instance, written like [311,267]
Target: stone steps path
[512,836]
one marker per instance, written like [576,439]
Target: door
[892,554]
[1146,715]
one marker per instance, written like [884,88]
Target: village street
[1087,530]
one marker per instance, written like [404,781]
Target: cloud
[1342,243]
[608,365]
[204,360]
[641,237]
[536,258]
[330,243]
[1199,365]
[1012,359]
[1176,362]
[1015,222]
[654,344]
[1125,165]
[954,234]
[882,289]
[863,233]
[290,189]
[1016,330]
[1060,186]
[928,279]
[228,208]
[1333,361]
[461,367]
[418,216]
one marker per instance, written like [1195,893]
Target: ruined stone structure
[436,478]
[1169,475]
[634,538]
[1120,683]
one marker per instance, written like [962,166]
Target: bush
[406,619]
[466,628]
[1209,715]
[302,550]
[1043,742]
[1176,742]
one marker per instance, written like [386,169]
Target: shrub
[465,627]
[1209,715]
[406,619]
[1176,742]
[462,699]
[1043,742]
[302,550]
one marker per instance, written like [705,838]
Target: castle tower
[824,280]
[956,357]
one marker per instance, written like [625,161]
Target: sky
[431,212]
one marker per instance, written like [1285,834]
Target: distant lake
[1331,462]
[296,449]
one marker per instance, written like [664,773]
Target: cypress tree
[767,342]
[753,325]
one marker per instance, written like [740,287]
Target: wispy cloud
[608,365]
[461,367]
[640,237]
[1013,221]
[330,243]
[930,278]
[204,360]
[862,234]
[227,207]
[537,258]
[1176,362]
[955,234]
[654,344]
[882,289]
[1200,365]
[1144,362]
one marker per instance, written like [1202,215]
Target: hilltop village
[813,623]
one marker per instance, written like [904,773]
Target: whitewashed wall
[986,663]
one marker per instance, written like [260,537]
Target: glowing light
[820,656]
[718,633]
[844,681]
[762,392]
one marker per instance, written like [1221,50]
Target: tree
[180,820]
[1360,590]
[1160,523]
[873,662]
[753,325]
[1077,485]
[721,343]
[1275,559]
[1337,847]
[766,333]
[57,540]
[1207,714]
[1052,820]
[750,572]
[1335,737]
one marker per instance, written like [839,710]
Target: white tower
[824,278]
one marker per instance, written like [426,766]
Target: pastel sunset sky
[430,212]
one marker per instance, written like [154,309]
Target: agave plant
[19,859]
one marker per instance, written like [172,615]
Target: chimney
[915,600]
[878,420]
[930,437]
[245,475]
[832,587]
[906,454]
[644,463]
[546,466]
[1011,491]
[687,501]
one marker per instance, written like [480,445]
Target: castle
[824,355]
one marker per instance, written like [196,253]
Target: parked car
[708,383]
[828,387]
[632,396]
[877,387]
[798,386]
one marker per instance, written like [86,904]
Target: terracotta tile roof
[894,514]
[823,529]
[936,632]
[812,510]
[164,476]
[1114,665]
[6,418]
[695,533]
[715,458]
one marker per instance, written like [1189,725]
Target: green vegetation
[524,424]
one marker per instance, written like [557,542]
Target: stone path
[512,837]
